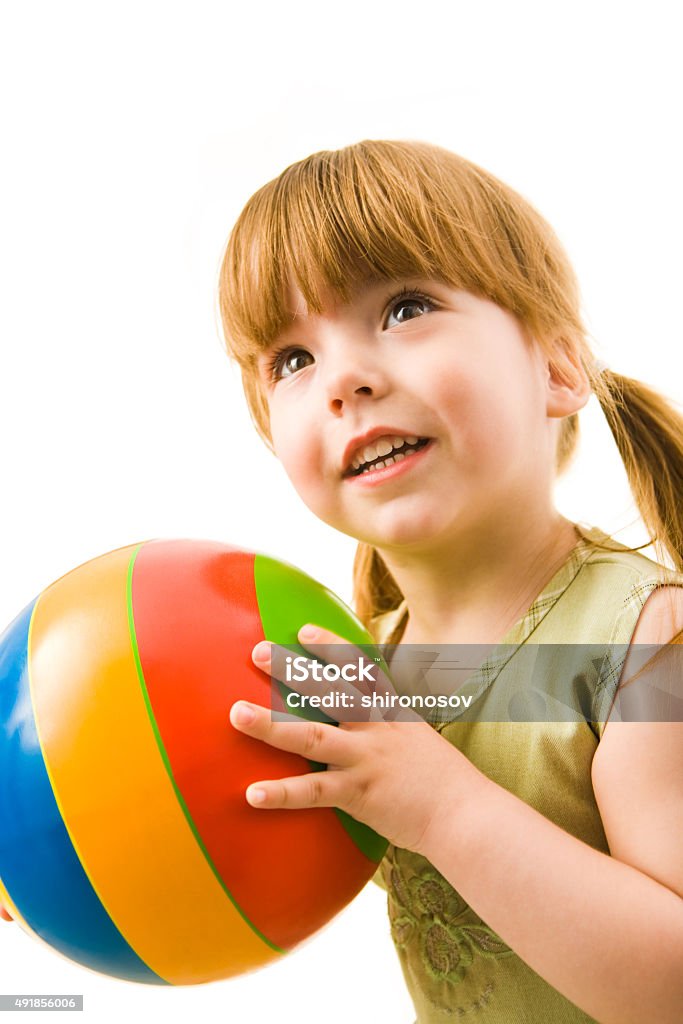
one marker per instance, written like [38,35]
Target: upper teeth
[382,446]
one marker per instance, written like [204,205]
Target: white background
[132,134]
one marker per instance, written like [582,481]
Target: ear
[567,386]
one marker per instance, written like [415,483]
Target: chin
[411,533]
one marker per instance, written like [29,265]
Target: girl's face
[450,376]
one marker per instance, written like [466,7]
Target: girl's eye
[403,303]
[284,362]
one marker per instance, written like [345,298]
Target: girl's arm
[607,932]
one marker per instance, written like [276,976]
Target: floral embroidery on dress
[428,914]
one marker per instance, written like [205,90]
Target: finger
[306,677]
[319,789]
[315,741]
[364,665]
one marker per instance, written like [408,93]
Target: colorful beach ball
[126,842]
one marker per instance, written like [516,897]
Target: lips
[357,445]
[396,455]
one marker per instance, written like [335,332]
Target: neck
[475,588]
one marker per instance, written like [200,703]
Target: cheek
[487,418]
[298,449]
[468,405]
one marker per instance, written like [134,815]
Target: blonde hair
[381,210]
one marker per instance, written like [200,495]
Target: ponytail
[375,591]
[648,431]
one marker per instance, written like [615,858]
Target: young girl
[391,297]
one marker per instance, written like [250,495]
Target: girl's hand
[4,915]
[395,776]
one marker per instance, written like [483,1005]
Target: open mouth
[397,454]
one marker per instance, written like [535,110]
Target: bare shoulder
[637,770]
[661,617]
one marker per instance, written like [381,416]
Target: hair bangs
[331,223]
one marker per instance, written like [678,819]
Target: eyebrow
[369,284]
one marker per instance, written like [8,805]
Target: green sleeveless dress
[455,966]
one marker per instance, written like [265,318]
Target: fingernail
[308,632]
[256,796]
[242,714]
[262,651]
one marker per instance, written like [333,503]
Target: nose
[353,374]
